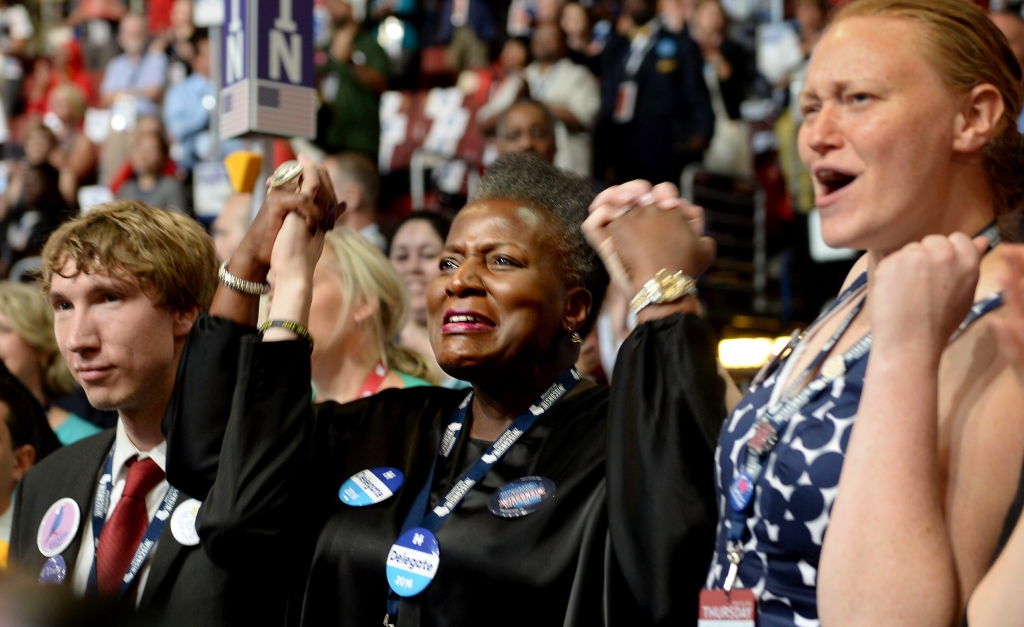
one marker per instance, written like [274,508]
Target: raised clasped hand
[920,294]
[315,202]
[638,230]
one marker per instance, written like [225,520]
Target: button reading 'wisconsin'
[521,497]
[367,487]
[412,562]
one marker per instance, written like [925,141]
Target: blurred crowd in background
[107,99]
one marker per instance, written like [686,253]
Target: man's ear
[24,457]
[978,119]
[184,320]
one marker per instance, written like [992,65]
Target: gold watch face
[672,288]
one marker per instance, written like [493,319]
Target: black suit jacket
[183,588]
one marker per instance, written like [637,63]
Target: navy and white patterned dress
[794,495]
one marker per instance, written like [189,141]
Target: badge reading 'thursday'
[183,522]
[521,497]
[721,609]
[367,487]
[55,570]
[58,527]
[412,562]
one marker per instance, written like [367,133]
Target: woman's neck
[146,182]
[969,210]
[497,403]
[339,375]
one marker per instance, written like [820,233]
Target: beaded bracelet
[288,325]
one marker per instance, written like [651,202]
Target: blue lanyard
[770,427]
[418,515]
[99,519]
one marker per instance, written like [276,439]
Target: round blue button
[55,570]
[368,487]
[521,497]
[412,562]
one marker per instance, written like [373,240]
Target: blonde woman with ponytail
[359,306]
[29,350]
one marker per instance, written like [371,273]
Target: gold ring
[285,173]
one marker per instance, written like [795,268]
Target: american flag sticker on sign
[234,110]
[285,109]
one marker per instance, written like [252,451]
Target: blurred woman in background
[359,306]
[29,350]
[415,252]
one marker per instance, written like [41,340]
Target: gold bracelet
[289,325]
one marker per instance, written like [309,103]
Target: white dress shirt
[124,450]
[570,85]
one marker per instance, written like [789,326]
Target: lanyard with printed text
[418,515]
[99,519]
[769,428]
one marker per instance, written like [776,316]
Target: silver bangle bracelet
[249,288]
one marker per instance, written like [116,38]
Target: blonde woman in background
[29,350]
[359,305]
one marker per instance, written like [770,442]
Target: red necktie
[127,525]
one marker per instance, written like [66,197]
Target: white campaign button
[183,522]
[58,527]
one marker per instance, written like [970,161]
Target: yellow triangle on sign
[243,169]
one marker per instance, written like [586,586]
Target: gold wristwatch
[664,287]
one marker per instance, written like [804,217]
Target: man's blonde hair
[170,254]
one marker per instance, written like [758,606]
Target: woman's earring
[576,337]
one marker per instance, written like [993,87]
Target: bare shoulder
[981,446]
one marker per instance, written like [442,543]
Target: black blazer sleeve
[265,478]
[198,411]
[666,407]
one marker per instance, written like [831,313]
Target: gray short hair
[567,197]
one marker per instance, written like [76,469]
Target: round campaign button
[367,487]
[55,570]
[521,497]
[740,491]
[666,48]
[412,562]
[57,530]
[183,522]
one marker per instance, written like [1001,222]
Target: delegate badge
[183,522]
[733,609]
[368,487]
[55,570]
[521,497]
[740,491]
[58,527]
[412,562]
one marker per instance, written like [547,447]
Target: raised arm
[666,407]
[997,600]
[887,558]
[263,485]
[208,371]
